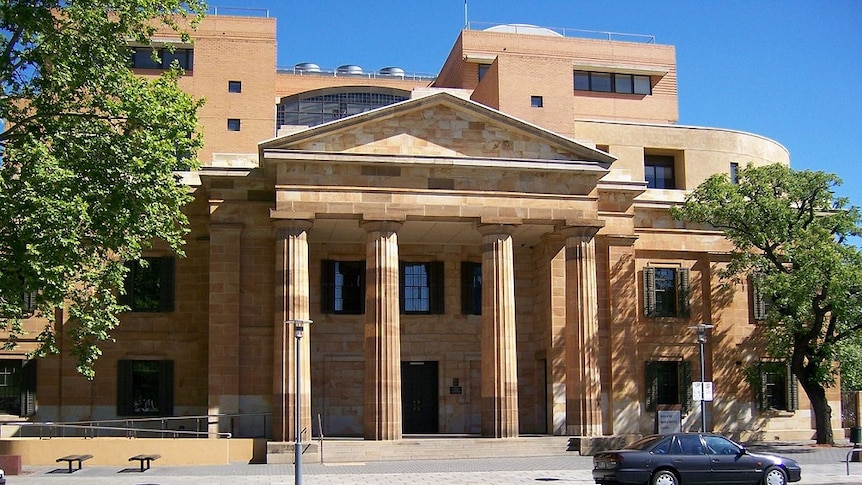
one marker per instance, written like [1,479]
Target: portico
[402,217]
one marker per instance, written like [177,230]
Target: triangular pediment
[439,125]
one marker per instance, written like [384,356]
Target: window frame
[165,285]
[234,124]
[141,57]
[18,389]
[471,288]
[765,387]
[234,86]
[666,162]
[652,390]
[333,279]
[681,287]
[537,102]
[433,286]
[612,82]
[128,387]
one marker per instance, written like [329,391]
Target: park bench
[145,459]
[73,459]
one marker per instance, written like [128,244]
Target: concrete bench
[145,459]
[73,459]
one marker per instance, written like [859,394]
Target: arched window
[320,106]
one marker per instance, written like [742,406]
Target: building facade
[487,251]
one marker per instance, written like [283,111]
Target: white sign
[669,422]
[702,391]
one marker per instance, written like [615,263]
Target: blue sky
[788,70]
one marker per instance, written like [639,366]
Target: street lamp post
[298,329]
[701,340]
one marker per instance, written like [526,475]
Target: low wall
[116,451]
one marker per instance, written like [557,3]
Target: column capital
[496,228]
[583,228]
[381,226]
[285,228]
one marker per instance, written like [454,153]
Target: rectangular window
[659,171]
[778,387]
[606,82]
[145,387]
[734,173]
[536,101]
[422,287]
[18,387]
[233,124]
[642,85]
[601,81]
[471,288]
[149,285]
[760,302]
[343,287]
[666,291]
[668,384]
[142,58]
[582,81]
[234,86]
[623,83]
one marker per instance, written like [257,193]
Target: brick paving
[820,465]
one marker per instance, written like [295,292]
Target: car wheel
[775,476]
[664,477]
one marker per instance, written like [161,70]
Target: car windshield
[644,443]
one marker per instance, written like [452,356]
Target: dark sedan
[691,458]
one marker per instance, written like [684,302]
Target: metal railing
[172,427]
[244,11]
[566,32]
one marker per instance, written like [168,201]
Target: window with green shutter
[668,383]
[777,388]
[666,291]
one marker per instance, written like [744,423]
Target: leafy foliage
[791,234]
[89,154]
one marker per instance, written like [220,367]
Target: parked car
[691,458]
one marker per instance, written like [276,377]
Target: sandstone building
[486,252]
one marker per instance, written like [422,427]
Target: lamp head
[298,326]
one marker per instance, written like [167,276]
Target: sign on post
[702,391]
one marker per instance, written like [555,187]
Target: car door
[729,464]
[690,459]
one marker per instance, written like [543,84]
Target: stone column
[499,357]
[223,345]
[582,336]
[292,303]
[382,411]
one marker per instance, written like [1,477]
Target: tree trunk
[820,405]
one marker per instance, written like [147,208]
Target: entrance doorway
[419,397]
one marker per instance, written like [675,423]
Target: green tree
[89,154]
[790,234]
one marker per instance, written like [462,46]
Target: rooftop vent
[392,71]
[523,29]
[349,69]
[306,67]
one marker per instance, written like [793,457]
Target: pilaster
[224,303]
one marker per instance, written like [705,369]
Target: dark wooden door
[419,397]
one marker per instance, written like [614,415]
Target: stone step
[342,450]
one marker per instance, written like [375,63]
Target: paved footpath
[819,466]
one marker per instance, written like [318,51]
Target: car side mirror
[743,451]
